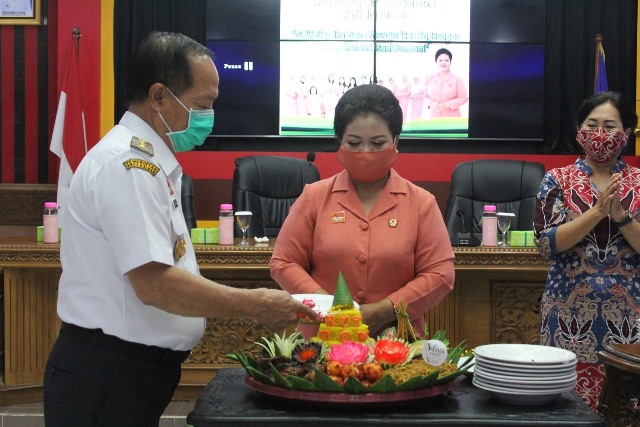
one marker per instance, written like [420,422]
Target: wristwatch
[626,220]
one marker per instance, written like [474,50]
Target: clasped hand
[609,202]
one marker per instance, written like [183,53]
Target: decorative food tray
[351,399]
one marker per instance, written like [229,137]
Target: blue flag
[600,84]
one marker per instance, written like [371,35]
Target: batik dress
[592,293]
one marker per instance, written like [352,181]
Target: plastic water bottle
[226,224]
[489,226]
[50,223]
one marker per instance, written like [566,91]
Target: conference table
[495,299]
[228,401]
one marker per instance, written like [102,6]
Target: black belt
[147,353]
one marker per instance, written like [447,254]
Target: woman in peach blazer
[385,234]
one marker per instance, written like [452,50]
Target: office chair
[511,185]
[267,186]
[186,198]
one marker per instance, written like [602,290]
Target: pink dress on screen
[449,88]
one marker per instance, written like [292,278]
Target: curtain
[570,32]
[133,20]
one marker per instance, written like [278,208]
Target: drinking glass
[504,223]
[243,219]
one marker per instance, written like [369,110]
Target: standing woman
[385,234]
[586,224]
[445,91]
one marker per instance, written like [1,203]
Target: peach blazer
[400,251]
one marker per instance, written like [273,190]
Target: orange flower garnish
[391,352]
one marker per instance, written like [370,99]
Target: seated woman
[385,234]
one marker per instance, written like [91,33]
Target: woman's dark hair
[162,58]
[364,100]
[624,106]
[445,51]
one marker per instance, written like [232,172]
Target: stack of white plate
[524,373]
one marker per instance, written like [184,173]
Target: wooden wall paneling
[31,325]
[516,317]
[500,306]
[208,195]
[446,316]
[474,307]
[22,204]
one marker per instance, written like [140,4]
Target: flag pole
[75,35]
[597,59]
[69,137]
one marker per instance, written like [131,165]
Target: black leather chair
[511,185]
[267,186]
[188,206]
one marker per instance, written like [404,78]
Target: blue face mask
[199,127]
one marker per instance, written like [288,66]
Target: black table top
[227,400]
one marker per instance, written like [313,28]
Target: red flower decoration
[391,352]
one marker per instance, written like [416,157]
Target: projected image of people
[446,92]
[417,96]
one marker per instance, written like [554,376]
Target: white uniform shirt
[119,216]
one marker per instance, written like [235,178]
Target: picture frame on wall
[20,12]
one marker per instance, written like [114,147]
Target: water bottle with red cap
[489,226]
[50,223]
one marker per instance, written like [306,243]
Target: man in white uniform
[131,298]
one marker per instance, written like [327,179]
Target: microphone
[462,238]
[311,156]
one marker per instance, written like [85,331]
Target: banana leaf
[439,335]
[386,384]
[244,360]
[258,375]
[419,382]
[278,378]
[450,377]
[411,384]
[456,352]
[352,385]
[298,383]
[325,383]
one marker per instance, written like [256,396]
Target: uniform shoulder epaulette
[142,145]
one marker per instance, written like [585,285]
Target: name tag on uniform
[338,217]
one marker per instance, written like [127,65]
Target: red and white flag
[69,138]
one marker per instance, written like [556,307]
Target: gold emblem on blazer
[180,248]
[338,217]
[393,223]
[142,145]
